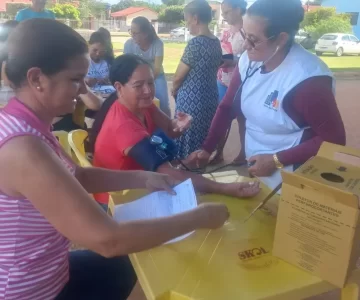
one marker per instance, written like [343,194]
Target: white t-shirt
[98,70]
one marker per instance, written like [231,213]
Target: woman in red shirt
[122,131]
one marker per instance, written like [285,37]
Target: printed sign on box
[317,225]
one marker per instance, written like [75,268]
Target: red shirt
[121,130]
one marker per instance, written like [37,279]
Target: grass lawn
[173,52]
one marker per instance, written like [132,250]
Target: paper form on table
[159,204]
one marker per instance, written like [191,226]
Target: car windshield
[329,37]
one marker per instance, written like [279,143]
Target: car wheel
[339,52]
[318,53]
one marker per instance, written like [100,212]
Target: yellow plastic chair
[79,114]
[62,137]
[156,102]
[76,141]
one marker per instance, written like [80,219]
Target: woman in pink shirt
[44,196]
[232,47]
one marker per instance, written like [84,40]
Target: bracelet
[278,164]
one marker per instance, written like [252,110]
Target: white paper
[158,205]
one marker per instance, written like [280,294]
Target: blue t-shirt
[28,13]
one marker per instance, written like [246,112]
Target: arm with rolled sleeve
[224,115]
[314,104]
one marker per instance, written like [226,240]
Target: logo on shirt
[272,101]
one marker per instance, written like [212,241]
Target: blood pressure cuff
[151,156]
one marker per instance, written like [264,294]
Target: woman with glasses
[286,103]
[145,43]
[232,43]
[194,84]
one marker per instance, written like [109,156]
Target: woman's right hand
[197,159]
[212,215]
[90,81]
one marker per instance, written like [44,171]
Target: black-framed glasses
[253,44]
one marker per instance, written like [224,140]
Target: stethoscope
[250,72]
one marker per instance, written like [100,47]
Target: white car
[179,32]
[338,43]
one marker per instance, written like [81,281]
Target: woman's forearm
[176,84]
[132,237]
[224,115]
[98,180]
[201,184]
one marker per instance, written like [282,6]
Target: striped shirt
[33,254]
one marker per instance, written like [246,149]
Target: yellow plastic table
[231,263]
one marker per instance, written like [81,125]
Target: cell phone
[228,56]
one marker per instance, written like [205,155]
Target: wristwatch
[278,164]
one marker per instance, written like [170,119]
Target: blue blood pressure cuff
[151,152]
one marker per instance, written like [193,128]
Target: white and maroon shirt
[269,129]
[33,254]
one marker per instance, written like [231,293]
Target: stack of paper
[158,205]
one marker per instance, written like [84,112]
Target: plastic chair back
[156,102]
[62,137]
[76,141]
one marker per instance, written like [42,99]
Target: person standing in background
[232,47]
[194,84]
[145,43]
[36,11]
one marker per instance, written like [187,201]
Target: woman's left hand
[242,189]
[181,122]
[159,182]
[263,165]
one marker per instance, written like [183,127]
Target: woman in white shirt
[145,43]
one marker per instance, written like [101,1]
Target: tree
[172,14]
[128,3]
[67,11]
[91,8]
[333,24]
[314,17]
[325,20]
[173,2]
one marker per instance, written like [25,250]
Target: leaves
[326,20]
[128,3]
[172,14]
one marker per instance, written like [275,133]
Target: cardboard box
[317,225]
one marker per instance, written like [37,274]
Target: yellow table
[232,263]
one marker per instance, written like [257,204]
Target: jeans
[161,92]
[221,90]
[93,277]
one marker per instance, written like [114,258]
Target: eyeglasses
[132,33]
[253,44]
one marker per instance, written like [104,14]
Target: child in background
[98,73]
